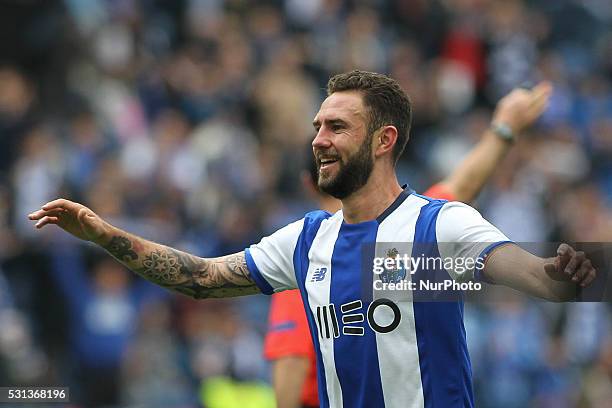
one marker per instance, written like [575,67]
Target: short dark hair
[386,101]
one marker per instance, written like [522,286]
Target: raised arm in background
[515,112]
[176,270]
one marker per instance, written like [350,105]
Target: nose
[321,140]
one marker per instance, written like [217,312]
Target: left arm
[556,279]
[518,111]
[463,233]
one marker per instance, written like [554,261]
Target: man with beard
[288,344]
[372,351]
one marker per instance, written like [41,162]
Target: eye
[336,127]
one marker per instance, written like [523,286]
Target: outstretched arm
[518,110]
[176,270]
[556,279]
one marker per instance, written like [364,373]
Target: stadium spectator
[103,310]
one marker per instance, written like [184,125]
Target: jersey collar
[398,201]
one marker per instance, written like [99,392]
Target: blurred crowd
[186,121]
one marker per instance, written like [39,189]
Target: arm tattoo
[185,273]
[121,248]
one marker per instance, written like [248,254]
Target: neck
[372,199]
[329,203]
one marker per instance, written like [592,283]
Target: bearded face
[340,178]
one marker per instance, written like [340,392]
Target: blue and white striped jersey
[376,348]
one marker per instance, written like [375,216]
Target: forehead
[346,105]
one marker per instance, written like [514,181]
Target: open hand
[522,107]
[73,217]
[573,265]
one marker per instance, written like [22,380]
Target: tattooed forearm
[163,267]
[229,275]
[121,248]
[183,272]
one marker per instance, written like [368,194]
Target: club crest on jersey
[393,274]
[319,274]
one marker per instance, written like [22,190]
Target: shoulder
[432,200]
[453,214]
[313,220]
[288,236]
[456,209]
[447,208]
[459,221]
[316,216]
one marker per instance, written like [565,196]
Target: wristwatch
[503,131]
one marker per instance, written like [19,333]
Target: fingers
[522,107]
[589,276]
[575,265]
[564,255]
[551,268]
[543,89]
[583,272]
[37,215]
[54,208]
[46,220]
[539,101]
[539,98]
[72,217]
[61,203]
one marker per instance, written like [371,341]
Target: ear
[385,141]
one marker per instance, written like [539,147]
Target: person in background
[103,312]
[288,343]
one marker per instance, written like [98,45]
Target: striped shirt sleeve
[270,262]
[466,237]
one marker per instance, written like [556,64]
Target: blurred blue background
[185,121]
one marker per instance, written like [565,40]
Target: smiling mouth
[327,162]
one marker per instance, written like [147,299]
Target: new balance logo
[319,274]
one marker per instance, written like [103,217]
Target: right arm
[173,269]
